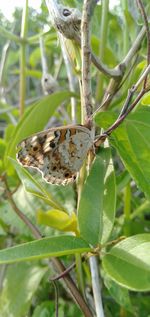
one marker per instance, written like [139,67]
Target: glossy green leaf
[58,219]
[97,203]
[35,118]
[20,284]
[132,140]
[32,186]
[128,263]
[44,248]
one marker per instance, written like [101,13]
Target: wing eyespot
[52,144]
[35,148]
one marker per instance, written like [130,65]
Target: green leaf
[146,99]
[58,219]
[109,57]
[2,147]
[35,119]
[32,186]
[74,55]
[132,140]
[120,294]
[44,309]
[44,248]
[20,284]
[109,199]
[97,203]
[128,263]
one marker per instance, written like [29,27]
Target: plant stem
[103,36]
[127,108]
[23,58]
[10,36]
[139,210]
[3,61]
[114,83]
[96,287]
[86,60]
[80,274]
[127,201]
[146,22]
[85,84]
[127,209]
[43,57]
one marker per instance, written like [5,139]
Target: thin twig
[145,18]
[86,60]
[96,287]
[56,297]
[134,48]
[109,72]
[114,83]
[133,90]
[65,272]
[23,217]
[126,109]
[43,56]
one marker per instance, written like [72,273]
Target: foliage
[106,213]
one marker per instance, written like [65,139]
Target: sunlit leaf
[128,263]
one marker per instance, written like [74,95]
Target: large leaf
[35,118]
[32,186]
[97,203]
[128,263]
[20,284]
[132,141]
[44,248]
[120,294]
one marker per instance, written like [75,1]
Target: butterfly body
[57,153]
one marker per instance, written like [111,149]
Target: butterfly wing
[57,153]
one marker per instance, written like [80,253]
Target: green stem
[79,274]
[10,36]
[23,58]
[139,210]
[127,208]
[103,44]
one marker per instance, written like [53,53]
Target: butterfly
[58,153]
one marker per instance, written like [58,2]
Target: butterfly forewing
[57,153]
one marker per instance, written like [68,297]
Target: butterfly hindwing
[57,153]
